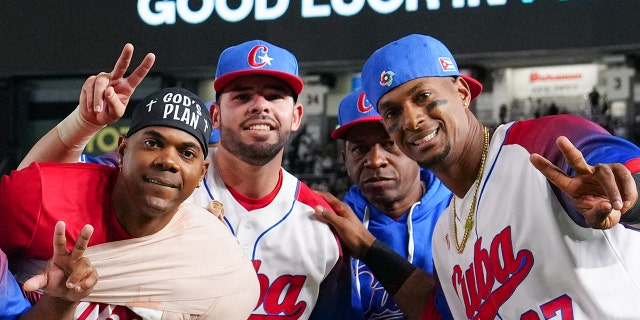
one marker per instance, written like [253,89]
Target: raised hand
[105,96]
[69,276]
[601,193]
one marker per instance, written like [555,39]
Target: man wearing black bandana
[147,244]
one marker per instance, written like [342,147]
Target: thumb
[116,107]
[36,282]
[336,204]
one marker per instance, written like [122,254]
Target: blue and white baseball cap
[354,108]
[257,57]
[412,57]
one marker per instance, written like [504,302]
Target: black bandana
[176,108]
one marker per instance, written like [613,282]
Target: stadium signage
[168,12]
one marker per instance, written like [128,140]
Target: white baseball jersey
[527,257]
[298,258]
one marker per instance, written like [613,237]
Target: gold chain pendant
[468,225]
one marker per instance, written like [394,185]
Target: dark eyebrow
[280,87]
[159,136]
[413,89]
[409,92]
[237,88]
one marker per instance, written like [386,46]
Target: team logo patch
[447,64]
[363,104]
[258,57]
[386,78]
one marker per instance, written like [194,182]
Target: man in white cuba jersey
[523,237]
[299,261]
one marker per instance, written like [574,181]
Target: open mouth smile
[427,138]
[260,127]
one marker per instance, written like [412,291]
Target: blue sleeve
[595,143]
[441,304]
[12,302]
[109,159]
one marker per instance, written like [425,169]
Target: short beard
[438,161]
[256,154]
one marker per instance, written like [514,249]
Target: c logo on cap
[362,103]
[253,57]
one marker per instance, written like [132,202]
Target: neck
[136,219]
[460,174]
[251,181]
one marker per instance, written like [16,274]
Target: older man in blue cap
[396,200]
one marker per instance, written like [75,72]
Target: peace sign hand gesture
[105,96]
[69,276]
[601,193]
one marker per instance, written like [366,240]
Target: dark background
[80,37]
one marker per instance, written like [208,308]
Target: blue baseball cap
[353,109]
[412,57]
[215,136]
[257,57]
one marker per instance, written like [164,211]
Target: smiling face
[256,114]
[389,179]
[161,167]
[428,119]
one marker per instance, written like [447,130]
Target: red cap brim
[474,86]
[294,82]
[341,131]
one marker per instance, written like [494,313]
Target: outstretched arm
[601,193]
[103,100]
[412,289]
[68,277]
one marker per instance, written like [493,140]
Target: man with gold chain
[525,237]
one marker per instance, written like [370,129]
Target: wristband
[391,269]
[75,132]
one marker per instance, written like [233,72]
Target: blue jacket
[373,302]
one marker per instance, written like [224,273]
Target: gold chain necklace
[468,225]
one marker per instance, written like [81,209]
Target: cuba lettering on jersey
[377,304]
[99,311]
[292,252]
[527,257]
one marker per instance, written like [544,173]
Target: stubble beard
[438,161]
[255,154]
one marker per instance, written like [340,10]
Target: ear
[122,145]
[463,91]
[297,117]
[205,167]
[214,112]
